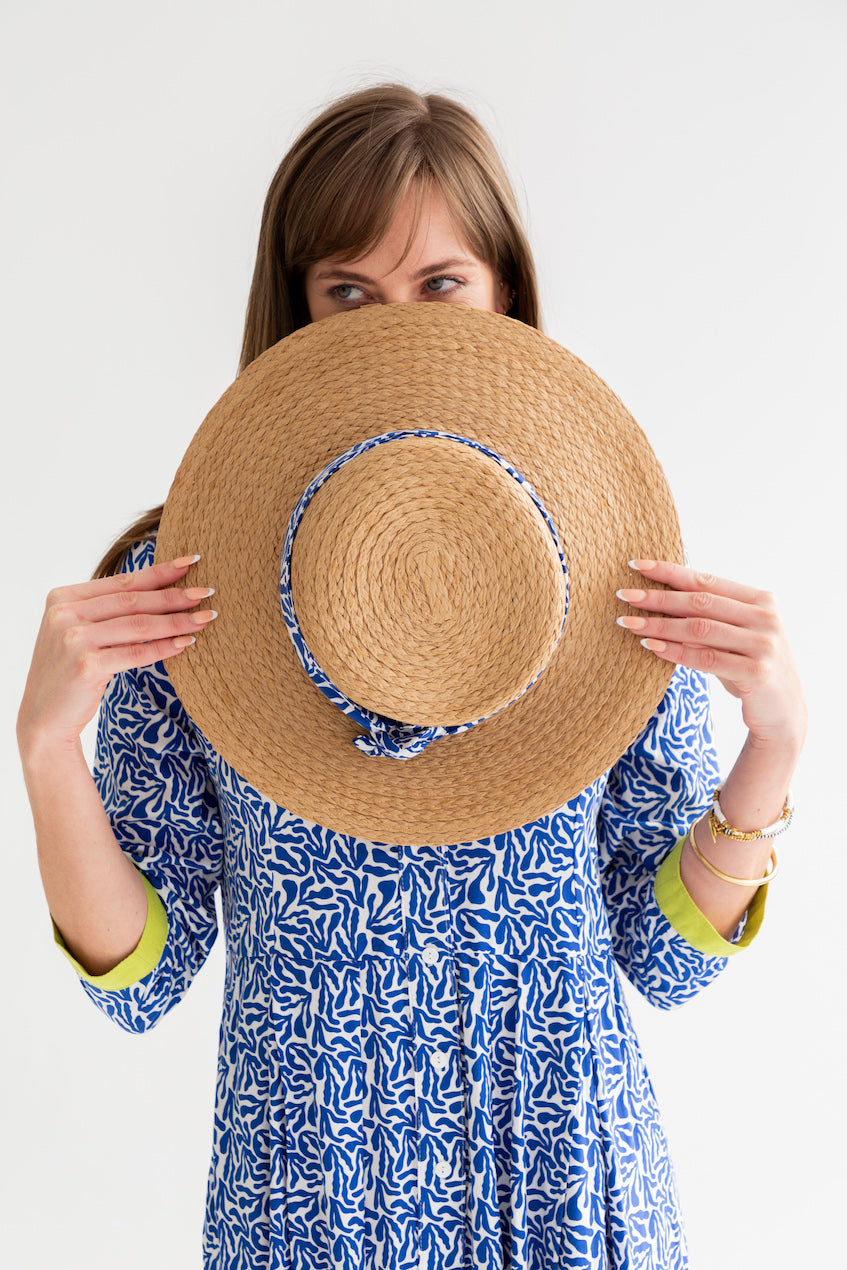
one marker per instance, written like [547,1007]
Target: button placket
[439,1060]
[434,1011]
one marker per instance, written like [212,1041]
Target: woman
[401,1089]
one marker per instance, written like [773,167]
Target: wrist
[751,808]
[782,744]
[42,750]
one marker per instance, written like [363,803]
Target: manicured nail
[641,565]
[198,592]
[204,616]
[184,561]
[653,645]
[182,641]
[631,597]
[632,623]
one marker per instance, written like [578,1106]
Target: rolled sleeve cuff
[687,920]
[141,961]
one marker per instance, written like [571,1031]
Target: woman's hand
[732,631]
[91,632]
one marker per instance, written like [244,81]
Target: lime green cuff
[144,958]
[685,917]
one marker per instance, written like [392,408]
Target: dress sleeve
[153,779]
[666,947]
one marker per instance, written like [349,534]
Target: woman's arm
[94,892]
[88,634]
[661,784]
[735,633]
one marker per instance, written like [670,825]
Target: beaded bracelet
[725,877]
[718,823]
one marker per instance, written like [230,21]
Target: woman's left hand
[734,632]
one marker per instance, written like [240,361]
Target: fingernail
[641,565]
[183,561]
[206,615]
[182,641]
[631,597]
[632,623]
[198,592]
[653,645]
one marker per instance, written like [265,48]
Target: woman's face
[439,268]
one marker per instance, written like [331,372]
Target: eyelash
[438,278]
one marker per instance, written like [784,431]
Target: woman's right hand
[91,632]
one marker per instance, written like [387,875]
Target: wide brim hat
[416,517]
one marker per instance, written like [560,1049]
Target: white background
[681,169]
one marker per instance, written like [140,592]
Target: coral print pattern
[426,1059]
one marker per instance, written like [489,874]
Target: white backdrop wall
[681,171]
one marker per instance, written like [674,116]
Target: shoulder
[139,555]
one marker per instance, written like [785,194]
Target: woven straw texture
[427,584]
[308,399]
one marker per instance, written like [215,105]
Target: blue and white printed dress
[426,1060]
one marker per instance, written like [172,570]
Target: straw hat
[416,517]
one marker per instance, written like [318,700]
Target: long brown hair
[335,194]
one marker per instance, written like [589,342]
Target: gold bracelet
[718,823]
[725,877]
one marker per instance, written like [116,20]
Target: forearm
[752,796]
[735,633]
[89,633]
[94,892]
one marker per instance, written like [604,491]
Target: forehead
[421,227]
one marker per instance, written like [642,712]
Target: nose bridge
[396,291]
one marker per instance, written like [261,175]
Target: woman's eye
[344,286]
[441,285]
[443,290]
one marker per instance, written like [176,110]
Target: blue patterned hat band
[386,737]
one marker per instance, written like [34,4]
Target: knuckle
[772,626]
[771,620]
[88,666]
[706,658]
[707,580]
[57,615]
[139,623]
[765,648]
[702,599]
[72,637]
[54,597]
[700,627]
[128,600]
[758,670]
[765,662]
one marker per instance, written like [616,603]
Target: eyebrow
[437,267]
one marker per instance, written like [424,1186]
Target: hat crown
[427,581]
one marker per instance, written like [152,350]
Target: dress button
[439,1061]
[442,1169]
[430,954]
